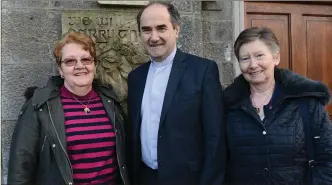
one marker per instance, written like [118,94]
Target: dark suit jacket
[191,141]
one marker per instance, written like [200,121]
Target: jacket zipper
[116,140]
[49,112]
[44,143]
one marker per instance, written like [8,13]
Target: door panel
[279,25]
[319,45]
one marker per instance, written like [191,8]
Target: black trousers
[148,176]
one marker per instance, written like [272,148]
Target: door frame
[238,27]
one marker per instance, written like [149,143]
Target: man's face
[158,34]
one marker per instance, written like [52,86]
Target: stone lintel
[124,3]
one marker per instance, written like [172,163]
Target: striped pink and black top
[90,140]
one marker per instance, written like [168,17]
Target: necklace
[254,105]
[257,110]
[86,108]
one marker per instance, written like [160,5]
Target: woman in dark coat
[71,131]
[267,111]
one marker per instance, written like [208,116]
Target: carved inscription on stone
[117,43]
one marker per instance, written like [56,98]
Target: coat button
[264,132]
[40,110]
[266,169]
[109,101]
[53,145]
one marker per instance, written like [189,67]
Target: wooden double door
[304,31]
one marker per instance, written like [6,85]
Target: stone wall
[30,30]
[217,37]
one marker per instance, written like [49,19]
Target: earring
[62,77]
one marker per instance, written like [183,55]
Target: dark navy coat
[273,151]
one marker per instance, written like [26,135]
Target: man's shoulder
[138,69]
[195,59]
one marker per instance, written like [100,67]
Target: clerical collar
[168,60]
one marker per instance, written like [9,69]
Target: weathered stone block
[15,79]
[217,31]
[93,5]
[89,4]
[197,36]
[226,9]
[24,4]
[206,30]
[184,6]
[66,4]
[197,5]
[190,35]
[7,129]
[124,3]
[29,35]
[222,31]
[224,14]
[218,51]
[210,5]
[226,71]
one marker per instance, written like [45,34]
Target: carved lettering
[104,35]
[102,21]
[82,31]
[116,37]
[100,35]
[92,32]
[86,21]
[74,21]
[123,33]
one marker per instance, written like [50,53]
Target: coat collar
[180,56]
[293,85]
[52,90]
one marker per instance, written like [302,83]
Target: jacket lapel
[107,97]
[50,96]
[57,118]
[140,86]
[174,78]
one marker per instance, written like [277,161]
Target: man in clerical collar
[176,135]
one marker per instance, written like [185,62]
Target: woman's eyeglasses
[73,61]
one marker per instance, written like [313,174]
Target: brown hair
[77,38]
[257,33]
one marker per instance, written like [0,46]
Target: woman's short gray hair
[263,34]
